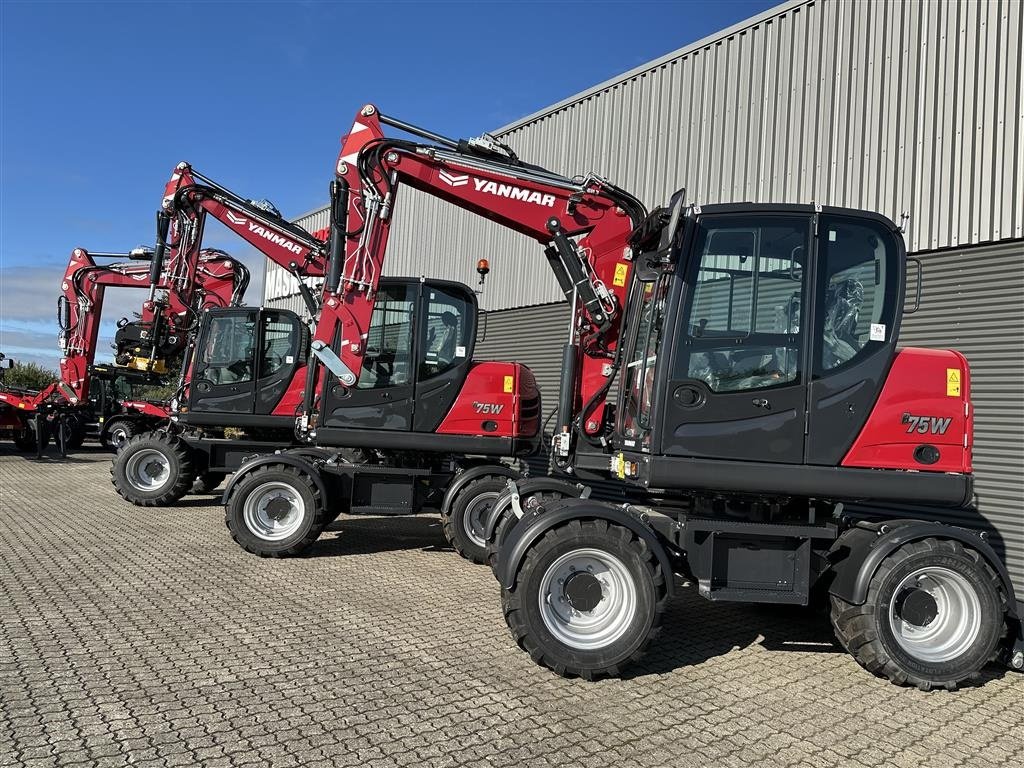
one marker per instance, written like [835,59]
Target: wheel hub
[916,607]
[278,508]
[154,469]
[583,591]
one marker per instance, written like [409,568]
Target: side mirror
[675,206]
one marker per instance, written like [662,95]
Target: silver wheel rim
[608,620]
[148,470]
[956,621]
[274,511]
[476,516]
[118,437]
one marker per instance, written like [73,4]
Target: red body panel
[291,401]
[921,403]
[503,396]
[146,408]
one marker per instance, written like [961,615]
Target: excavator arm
[583,223]
[167,317]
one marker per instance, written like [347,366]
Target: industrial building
[896,106]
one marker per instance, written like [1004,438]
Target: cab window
[447,329]
[638,384]
[742,324]
[280,342]
[857,291]
[227,354]
[386,362]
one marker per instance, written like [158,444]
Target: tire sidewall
[485,488]
[621,650]
[123,457]
[236,511]
[984,644]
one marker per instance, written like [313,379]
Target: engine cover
[923,418]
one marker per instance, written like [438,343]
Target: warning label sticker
[952,382]
[509,382]
[621,270]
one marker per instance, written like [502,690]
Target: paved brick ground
[146,637]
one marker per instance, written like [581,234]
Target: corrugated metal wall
[893,106]
[972,301]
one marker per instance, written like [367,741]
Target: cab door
[445,350]
[734,385]
[223,374]
[383,396]
[284,340]
[860,286]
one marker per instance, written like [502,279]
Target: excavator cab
[767,336]
[417,375]
[418,353]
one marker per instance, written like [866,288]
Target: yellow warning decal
[952,382]
[621,270]
[509,384]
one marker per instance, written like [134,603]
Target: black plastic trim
[437,443]
[866,548]
[474,473]
[527,486]
[289,460]
[535,525]
[835,483]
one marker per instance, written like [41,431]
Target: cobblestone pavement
[146,637]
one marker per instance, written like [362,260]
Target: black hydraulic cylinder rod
[307,295]
[163,225]
[574,268]
[567,387]
[560,274]
[339,221]
[401,125]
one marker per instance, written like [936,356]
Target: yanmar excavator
[89,396]
[400,401]
[775,443]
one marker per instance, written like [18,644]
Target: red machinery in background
[99,396]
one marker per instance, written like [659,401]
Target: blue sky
[99,101]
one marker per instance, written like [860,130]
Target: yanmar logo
[511,191]
[453,180]
[275,238]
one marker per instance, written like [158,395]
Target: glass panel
[639,379]
[857,305]
[389,342]
[228,351]
[743,324]
[279,342]
[447,332]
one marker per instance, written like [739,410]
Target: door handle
[760,402]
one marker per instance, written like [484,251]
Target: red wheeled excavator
[386,377]
[774,443]
[90,396]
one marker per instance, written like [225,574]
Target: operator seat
[843,301]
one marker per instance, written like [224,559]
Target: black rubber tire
[25,440]
[508,519]
[312,525]
[181,469]
[522,614]
[207,482]
[865,631]
[483,490]
[76,434]
[126,427]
